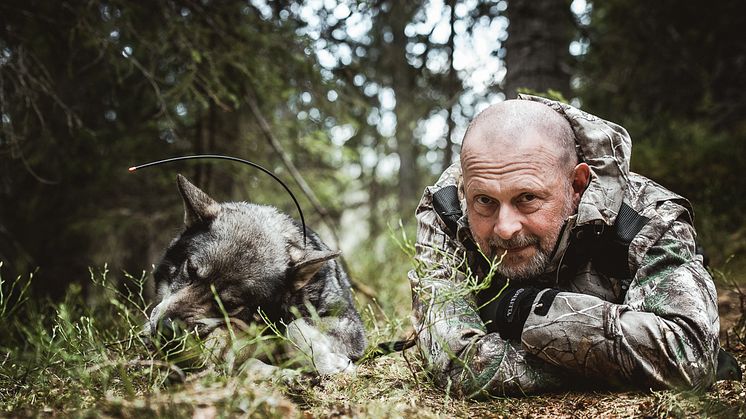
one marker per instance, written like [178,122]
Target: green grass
[83,356]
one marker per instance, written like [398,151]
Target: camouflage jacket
[658,328]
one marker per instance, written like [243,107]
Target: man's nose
[508,223]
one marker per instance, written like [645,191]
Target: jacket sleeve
[460,355]
[664,335]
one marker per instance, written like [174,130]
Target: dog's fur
[256,259]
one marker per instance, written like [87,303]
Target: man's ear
[581,175]
[309,264]
[198,206]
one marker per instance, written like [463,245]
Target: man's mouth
[501,252]
[517,250]
[514,249]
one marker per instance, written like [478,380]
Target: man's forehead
[526,137]
[516,181]
[529,160]
[496,149]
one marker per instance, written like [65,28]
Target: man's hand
[514,306]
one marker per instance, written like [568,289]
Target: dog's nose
[169,328]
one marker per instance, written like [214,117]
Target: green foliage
[549,94]
[672,73]
[70,354]
[13,295]
[78,356]
[104,85]
[86,358]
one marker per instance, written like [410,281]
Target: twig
[305,188]
[140,363]
[411,369]
[294,172]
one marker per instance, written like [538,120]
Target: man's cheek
[480,230]
[482,242]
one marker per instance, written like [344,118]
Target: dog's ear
[309,264]
[198,206]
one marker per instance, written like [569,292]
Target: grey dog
[256,259]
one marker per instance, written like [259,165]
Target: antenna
[235,159]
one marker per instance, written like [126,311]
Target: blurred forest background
[368,99]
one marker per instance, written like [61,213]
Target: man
[543,262]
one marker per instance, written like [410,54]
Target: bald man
[544,263]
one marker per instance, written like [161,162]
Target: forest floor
[386,388]
[65,367]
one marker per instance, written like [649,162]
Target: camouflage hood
[606,147]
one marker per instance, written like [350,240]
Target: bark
[537,55]
[453,90]
[404,84]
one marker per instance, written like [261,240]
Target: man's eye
[483,200]
[528,197]
[528,202]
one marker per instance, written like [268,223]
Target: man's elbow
[457,380]
[699,371]
[700,375]
[696,374]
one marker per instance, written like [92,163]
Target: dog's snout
[170,328]
[166,324]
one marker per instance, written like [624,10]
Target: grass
[83,356]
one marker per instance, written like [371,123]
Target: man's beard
[533,267]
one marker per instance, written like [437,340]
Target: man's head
[522,180]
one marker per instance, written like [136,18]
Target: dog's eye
[191,270]
[232,308]
[164,273]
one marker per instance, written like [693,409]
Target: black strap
[628,223]
[488,304]
[612,253]
[608,248]
[395,346]
[446,204]
[385,348]
[448,207]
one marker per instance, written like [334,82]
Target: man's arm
[451,336]
[665,335]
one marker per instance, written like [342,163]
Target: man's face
[518,197]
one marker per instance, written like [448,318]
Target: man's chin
[514,274]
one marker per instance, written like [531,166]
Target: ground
[76,364]
[386,388]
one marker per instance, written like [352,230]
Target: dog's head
[250,255]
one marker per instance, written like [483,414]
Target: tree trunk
[537,55]
[453,88]
[403,84]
